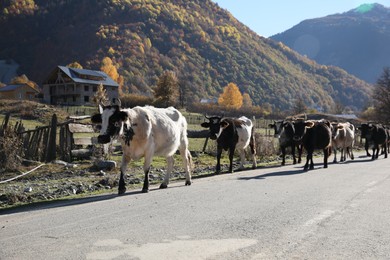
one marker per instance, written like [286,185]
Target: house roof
[88,76]
[14,87]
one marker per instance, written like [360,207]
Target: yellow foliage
[231,97]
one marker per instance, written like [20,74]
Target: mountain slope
[357,41]
[204,44]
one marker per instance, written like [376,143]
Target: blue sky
[269,17]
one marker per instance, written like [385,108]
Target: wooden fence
[60,141]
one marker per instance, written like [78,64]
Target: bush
[10,149]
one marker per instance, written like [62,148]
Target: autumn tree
[246,101]
[109,68]
[100,96]
[74,65]
[23,79]
[166,92]
[381,96]
[231,97]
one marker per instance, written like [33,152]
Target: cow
[284,131]
[376,136]
[231,134]
[314,135]
[145,132]
[343,138]
[363,128]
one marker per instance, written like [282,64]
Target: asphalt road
[342,212]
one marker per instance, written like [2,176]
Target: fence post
[51,150]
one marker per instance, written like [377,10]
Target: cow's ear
[205,124]
[309,124]
[96,119]
[271,125]
[123,116]
[224,124]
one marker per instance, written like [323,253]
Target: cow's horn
[117,102]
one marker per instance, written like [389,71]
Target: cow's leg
[242,158]
[300,148]
[122,183]
[283,148]
[335,155]
[366,147]
[170,163]
[231,155]
[187,162]
[218,167]
[147,163]
[385,150]
[293,154]
[308,157]
[326,155]
[252,145]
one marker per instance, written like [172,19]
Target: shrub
[10,149]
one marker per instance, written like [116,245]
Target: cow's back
[169,128]
[317,137]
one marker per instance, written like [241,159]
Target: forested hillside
[204,44]
[357,41]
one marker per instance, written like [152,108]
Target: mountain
[357,41]
[203,43]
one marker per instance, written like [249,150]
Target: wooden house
[71,86]
[19,92]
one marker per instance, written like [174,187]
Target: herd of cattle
[148,131]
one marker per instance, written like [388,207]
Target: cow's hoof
[325,166]
[121,191]
[163,186]
[188,183]
[145,190]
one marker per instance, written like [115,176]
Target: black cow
[376,136]
[314,135]
[232,133]
[284,131]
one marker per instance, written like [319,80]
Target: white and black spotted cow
[232,133]
[145,132]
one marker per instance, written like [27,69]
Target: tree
[108,67]
[381,96]
[246,101]
[299,106]
[231,97]
[74,65]
[24,80]
[100,96]
[167,91]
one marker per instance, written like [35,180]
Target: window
[86,98]
[94,88]
[86,88]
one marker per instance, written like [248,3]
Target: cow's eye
[117,124]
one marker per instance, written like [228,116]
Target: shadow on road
[273,174]
[63,203]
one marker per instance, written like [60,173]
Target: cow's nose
[103,139]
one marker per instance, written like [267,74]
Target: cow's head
[111,119]
[300,127]
[215,125]
[282,126]
[365,130]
